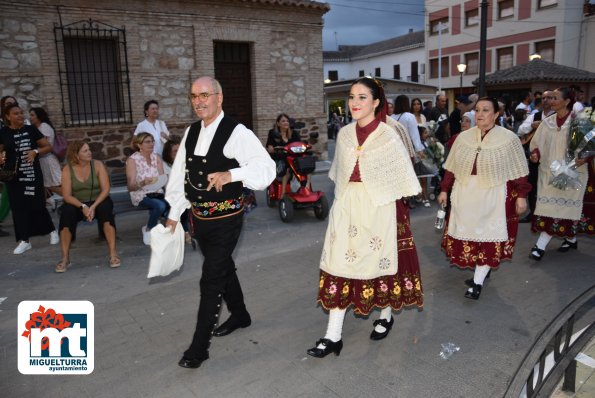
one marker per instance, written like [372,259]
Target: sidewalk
[142,326]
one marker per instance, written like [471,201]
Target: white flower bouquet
[581,145]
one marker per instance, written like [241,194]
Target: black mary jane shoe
[329,347]
[386,324]
[190,363]
[536,253]
[470,282]
[567,245]
[474,293]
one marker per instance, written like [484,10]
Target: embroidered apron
[478,214]
[361,239]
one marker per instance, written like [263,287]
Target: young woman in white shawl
[369,258]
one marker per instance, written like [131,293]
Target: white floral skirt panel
[361,239]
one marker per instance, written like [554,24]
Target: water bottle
[448,349]
[440,216]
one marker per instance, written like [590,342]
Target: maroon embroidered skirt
[468,254]
[403,288]
[570,228]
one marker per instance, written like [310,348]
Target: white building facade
[399,58]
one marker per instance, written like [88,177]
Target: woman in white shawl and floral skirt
[369,258]
[487,171]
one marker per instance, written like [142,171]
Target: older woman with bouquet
[561,209]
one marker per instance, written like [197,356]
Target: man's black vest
[199,167]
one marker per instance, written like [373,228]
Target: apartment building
[559,31]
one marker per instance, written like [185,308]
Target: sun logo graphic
[56,337]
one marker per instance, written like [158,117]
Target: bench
[118,183]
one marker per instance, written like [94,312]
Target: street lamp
[461,68]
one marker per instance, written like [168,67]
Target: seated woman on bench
[146,179]
[85,189]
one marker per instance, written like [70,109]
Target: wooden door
[232,70]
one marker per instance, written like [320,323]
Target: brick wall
[169,44]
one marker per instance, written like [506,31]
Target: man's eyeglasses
[201,96]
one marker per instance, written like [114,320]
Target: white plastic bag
[167,250]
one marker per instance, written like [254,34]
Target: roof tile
[537,69]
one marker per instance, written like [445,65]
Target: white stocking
[544,239]
[481,272]
[384,314]
[335,325]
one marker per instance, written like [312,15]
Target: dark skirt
[403,288]
[570,228]
[29,214]
[468,254]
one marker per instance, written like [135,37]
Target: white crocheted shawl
[385,167]
[500,157]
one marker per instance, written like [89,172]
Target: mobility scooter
[300,163]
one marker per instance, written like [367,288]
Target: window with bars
[93,73]
[361,73]
[397,72]
[377,72]
[333,75]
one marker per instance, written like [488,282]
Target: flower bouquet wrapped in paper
[435,151]
[432,127]
[581,145]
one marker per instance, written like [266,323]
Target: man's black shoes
[190,363]
[232,324]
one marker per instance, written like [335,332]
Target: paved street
[142,326]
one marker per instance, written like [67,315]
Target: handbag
[423,168]
[9,175]
[167,250]
[155,195]
[60,146]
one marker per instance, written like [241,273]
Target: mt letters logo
[56,337]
